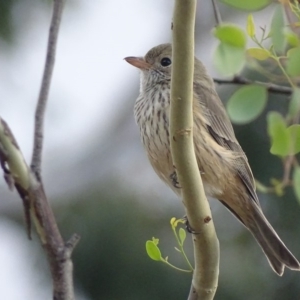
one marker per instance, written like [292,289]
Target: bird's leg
[174,180]
[188,226]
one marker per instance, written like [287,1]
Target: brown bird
[224,167]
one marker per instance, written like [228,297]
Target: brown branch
[28,182]
[45,87]
[37,209]
[271,88]
[217,13]
[58,253]
[290,17]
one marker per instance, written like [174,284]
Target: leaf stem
[176,268]
[181,248]
[277,59]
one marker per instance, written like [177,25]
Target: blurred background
[95,171]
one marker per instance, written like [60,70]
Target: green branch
[206,245]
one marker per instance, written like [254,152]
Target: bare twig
[290,16]
[206,245]
[38,210]
[45,86]
[287,166]
[272,88]
[59,254]
[29,185]
[217,13]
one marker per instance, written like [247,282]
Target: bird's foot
[174,180]
[188,226]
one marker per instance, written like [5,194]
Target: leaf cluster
[154,252]
[275,56]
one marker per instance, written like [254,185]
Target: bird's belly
[213,160]
[213,167]
[157,146]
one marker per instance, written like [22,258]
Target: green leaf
[280,137]
[261,187]
[172,221]
[247,103]
[229,60]
[291,37]
[277,187]
[250,26]
[293,62]
[294,105]
[294,133]
[231,34]
[277,30]
[153,251]
[259,53]
[155,241]
[296,182]
[248,4]
[182,235]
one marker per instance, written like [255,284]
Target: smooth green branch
[206,245]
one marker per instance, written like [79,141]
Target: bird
[222,163]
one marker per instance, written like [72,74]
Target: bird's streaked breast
[151,113]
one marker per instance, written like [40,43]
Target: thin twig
[44,92]
[217,13]
[272,88]
[36,206]
[287,167]
[290,17]
[29,184]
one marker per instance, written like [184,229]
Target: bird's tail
[277,253]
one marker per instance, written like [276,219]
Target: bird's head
[155,67]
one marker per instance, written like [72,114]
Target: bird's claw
[188,226]
[174,180]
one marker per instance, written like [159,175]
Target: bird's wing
[220,128]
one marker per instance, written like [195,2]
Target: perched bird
[224,167]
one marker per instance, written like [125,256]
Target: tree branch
[37,209]
[206,245]
[29,185]
[217,13]
[272,88]
[36,161]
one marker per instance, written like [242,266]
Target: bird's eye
[166,61]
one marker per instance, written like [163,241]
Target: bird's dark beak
[138,62]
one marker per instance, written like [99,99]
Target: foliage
[109,263]
[254,100]
[276,56]
[248,4]
[229,56]
[155,254]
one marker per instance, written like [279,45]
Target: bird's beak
[138,62]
